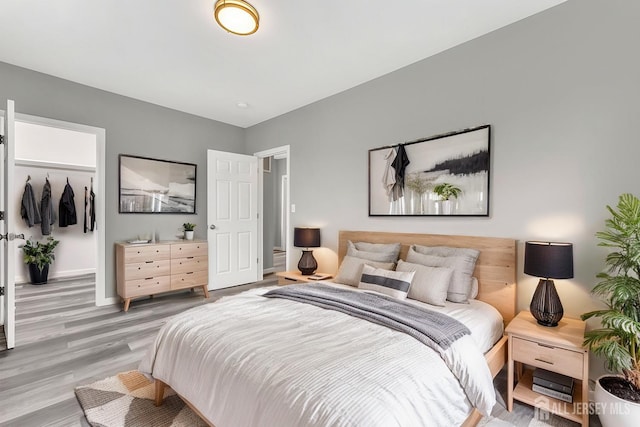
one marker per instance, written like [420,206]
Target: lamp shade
[548,260]
[306,237]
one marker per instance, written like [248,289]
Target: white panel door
[7,205]
[232,214]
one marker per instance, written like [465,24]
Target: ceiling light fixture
[236,16]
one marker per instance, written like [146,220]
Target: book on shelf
[553,381]
[566,397]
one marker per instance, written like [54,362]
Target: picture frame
[156,186]
[443,175]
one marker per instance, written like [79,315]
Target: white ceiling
[172,53]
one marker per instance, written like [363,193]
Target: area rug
[127,400]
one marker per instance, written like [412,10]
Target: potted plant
[188,230]
[38,256]
[446,191]
[618,341]
[418,185]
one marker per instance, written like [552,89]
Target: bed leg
[159,392]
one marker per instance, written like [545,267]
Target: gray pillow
[462,264]
[350,270]
[392,283]
[374,251]
[430,284]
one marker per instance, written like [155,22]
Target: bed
[331,355]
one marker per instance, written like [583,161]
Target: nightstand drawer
[545,356]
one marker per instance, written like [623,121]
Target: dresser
[148,269]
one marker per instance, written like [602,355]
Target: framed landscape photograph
[436,176]
[156,186]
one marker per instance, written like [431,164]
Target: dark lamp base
[307,264]
[545,306]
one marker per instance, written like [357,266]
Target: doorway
[58,159]
[275,212]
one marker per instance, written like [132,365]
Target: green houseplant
[38,256]
[618,340]
[446,191]
[188,230]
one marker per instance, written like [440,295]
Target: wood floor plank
[63,341]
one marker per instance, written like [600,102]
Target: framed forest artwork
[436,176]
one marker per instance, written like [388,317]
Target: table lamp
[306,238]
[548,260]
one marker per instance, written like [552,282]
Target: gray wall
[561,91]
[132,127]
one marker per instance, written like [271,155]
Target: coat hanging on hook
[67,212]
[46,209]
[29,210]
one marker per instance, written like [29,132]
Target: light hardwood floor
[63,340]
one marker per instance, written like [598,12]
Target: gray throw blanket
[436,330]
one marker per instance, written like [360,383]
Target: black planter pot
[38,277]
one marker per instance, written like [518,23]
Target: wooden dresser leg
[159,392]
[205,290]
[127,301]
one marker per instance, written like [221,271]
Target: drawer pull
[543,361]
[546,346]
[148,262]
[190,257]
[148,278]
[191,272]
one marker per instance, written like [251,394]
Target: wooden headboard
[495,268]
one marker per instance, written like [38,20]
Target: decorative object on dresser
[150,269]
[618,341]
[188,230]
[558,350]
[548,260]
[307,238]
[38,256]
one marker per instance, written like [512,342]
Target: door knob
[213,227]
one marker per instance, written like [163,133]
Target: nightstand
[558,349]
[290,277]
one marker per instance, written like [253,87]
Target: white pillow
[462,264]
[395,284]
[430,284]
[374,251]
[350,270]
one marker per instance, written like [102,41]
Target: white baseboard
[59,274]
[268,270]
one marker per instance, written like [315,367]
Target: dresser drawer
[557,359]
[179,250]
[189,280]
[148,286]
[141,270]
[144,253]
[189,264]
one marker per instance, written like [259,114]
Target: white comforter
[251,361]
